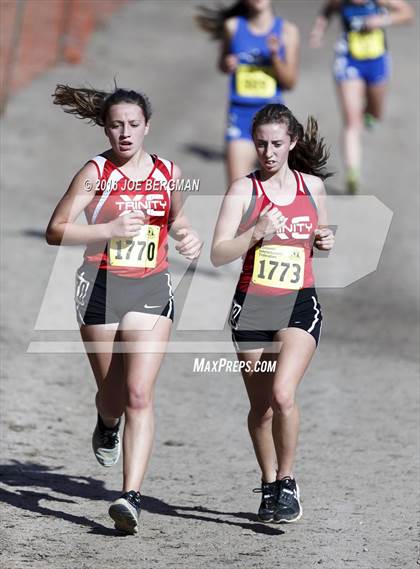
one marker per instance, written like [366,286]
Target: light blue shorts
[239,121]
[371,71]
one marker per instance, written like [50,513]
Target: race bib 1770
[366,45]
[255,81]
[140,251]
[279,266]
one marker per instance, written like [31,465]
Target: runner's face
[273,144]
[126,128]
[257,5]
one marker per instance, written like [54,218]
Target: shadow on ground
[205,152]
[19,475]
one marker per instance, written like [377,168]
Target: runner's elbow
[215,261]
[411,15]
[216,257]
[221,66]
[289,82]
[53,235]
[51,238]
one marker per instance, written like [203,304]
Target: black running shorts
[254,320]
[104,298]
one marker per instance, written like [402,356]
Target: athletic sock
[104,427]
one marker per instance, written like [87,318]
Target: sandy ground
[358,455]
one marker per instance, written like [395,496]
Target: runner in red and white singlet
[282,264]
[272,219]
[118,195]
[123,297]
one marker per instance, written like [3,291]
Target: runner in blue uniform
[361,67]
[260,53]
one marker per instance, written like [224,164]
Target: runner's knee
[353,122]
[283,401]
[139,399]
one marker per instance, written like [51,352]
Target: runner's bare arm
[227,61]
[227,245]
[286,71]
[322,21]
[177,219]
[324,237]
[179,226]
[398,12]
[62,229]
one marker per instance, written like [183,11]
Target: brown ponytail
[212,20]
[310,154]
[94,105]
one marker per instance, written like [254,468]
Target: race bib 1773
[279,266]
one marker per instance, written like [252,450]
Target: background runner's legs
[375,95]
[351,95]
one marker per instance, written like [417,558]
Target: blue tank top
[357,42]
[254,82]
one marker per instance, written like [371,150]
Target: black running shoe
[125,512]
[268,502]
[288,508]
[106,443]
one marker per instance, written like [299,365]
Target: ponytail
[82,102]
[94,105]
[310,154]
[212,20]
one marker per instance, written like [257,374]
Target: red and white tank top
[282,264]
[116,194]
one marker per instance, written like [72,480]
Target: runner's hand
[229,63]
[315,38]
[273,44]
[127,225]
[189,244]
[324,239]
[269,223]
[374,22]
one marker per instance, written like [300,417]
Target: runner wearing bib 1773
[260,53]
[276,286]
[272,219]
[123,288]
[361,66]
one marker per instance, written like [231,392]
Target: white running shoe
[126,512]
[106,443]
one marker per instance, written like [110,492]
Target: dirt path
[358,450]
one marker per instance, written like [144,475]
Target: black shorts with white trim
[255,320]
[104,298]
